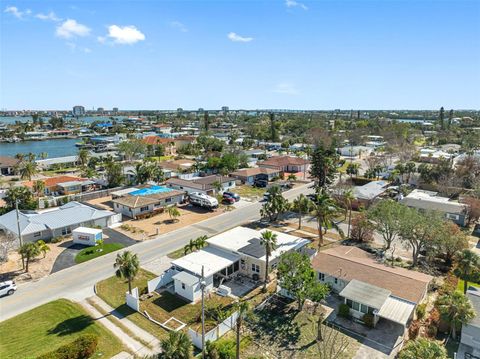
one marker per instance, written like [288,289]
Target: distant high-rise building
[78,111]
[115,110]
[100,110]
[201,110]
[225,109]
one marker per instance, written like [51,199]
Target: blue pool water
[150,190]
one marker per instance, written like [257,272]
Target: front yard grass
[50,326]
[469,284]
[93,252]
[249,192]
[176,254]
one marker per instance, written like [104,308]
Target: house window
[143,209]
[321,276]
[183,286]
[355,306]
[452,216]
[255,268]
[168,200]
[350,303]
[37,234]
[364,308]
[66,230]
[235,266]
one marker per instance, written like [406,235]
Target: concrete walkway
[139,332]
[132,344]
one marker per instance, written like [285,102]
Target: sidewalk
[135,346]
[139,332]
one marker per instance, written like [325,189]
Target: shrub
[421,310]
[432,331]
[414,329]
[56,239]
[344,310]
[368,319]
[81,348]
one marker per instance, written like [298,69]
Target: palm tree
[269,241]
[43,247]
[176,346]
[324,210]
[127,266]
[190,247]
[200,242]
[467,263]
[28,251]
[349,197]
[457,309]
[83,156]
[302,205]
[27,169]
[173,212]
[243,308]
[39,187]
[43,155]
[291,177]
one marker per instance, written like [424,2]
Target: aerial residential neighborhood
[240,179]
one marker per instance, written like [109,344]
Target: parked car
[7,288]
[235,196]
[228,200]
[261,183]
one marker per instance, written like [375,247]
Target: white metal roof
[72,213]
[187,278]
[122,192]
[212,259]
[239,237]
[397,310]
[365,293]
[87,230]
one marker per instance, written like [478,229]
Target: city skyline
[255,55]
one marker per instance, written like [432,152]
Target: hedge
[81,348]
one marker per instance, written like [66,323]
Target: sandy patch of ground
[103,202]
[38,268]
[161,223]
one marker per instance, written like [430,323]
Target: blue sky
[244,54]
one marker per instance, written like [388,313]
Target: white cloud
[16,12]
[71,28]
[48,17]
[87,50]
[293,3]
[123,35]
[286,88]
[179,26]
[237,38]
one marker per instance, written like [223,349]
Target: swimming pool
[150,190]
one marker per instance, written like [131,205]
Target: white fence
[216,333]
[132,299]
[162,280]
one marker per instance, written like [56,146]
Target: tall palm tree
[457,309]
[27,169]
[467,262]
[349,197]
[173,212]
[190,247]
[42,247]
[324,210]
[176,346]
[83,156]
[302,205]
[39,187]
[200,242]
[269,241]
[127,266]
[243,308]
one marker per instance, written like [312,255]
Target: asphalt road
[77,282]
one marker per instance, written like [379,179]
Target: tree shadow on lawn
[71,325]
[169,302]
[278,325]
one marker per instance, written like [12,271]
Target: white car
[7,288]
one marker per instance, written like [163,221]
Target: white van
[203,200]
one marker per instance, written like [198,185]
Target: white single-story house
[204,185]
[250,175]
[288,164]
[134,205]
[367,286]
[431,201]
[470,340]
[235,252]
[56,222]
[355,151]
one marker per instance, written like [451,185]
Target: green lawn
[250,192]
[50,326]
[176,254]
[93,252]
[472,284]
[112,290]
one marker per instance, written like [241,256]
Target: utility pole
[19,231]
[202,286]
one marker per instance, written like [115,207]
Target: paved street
[77,282]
